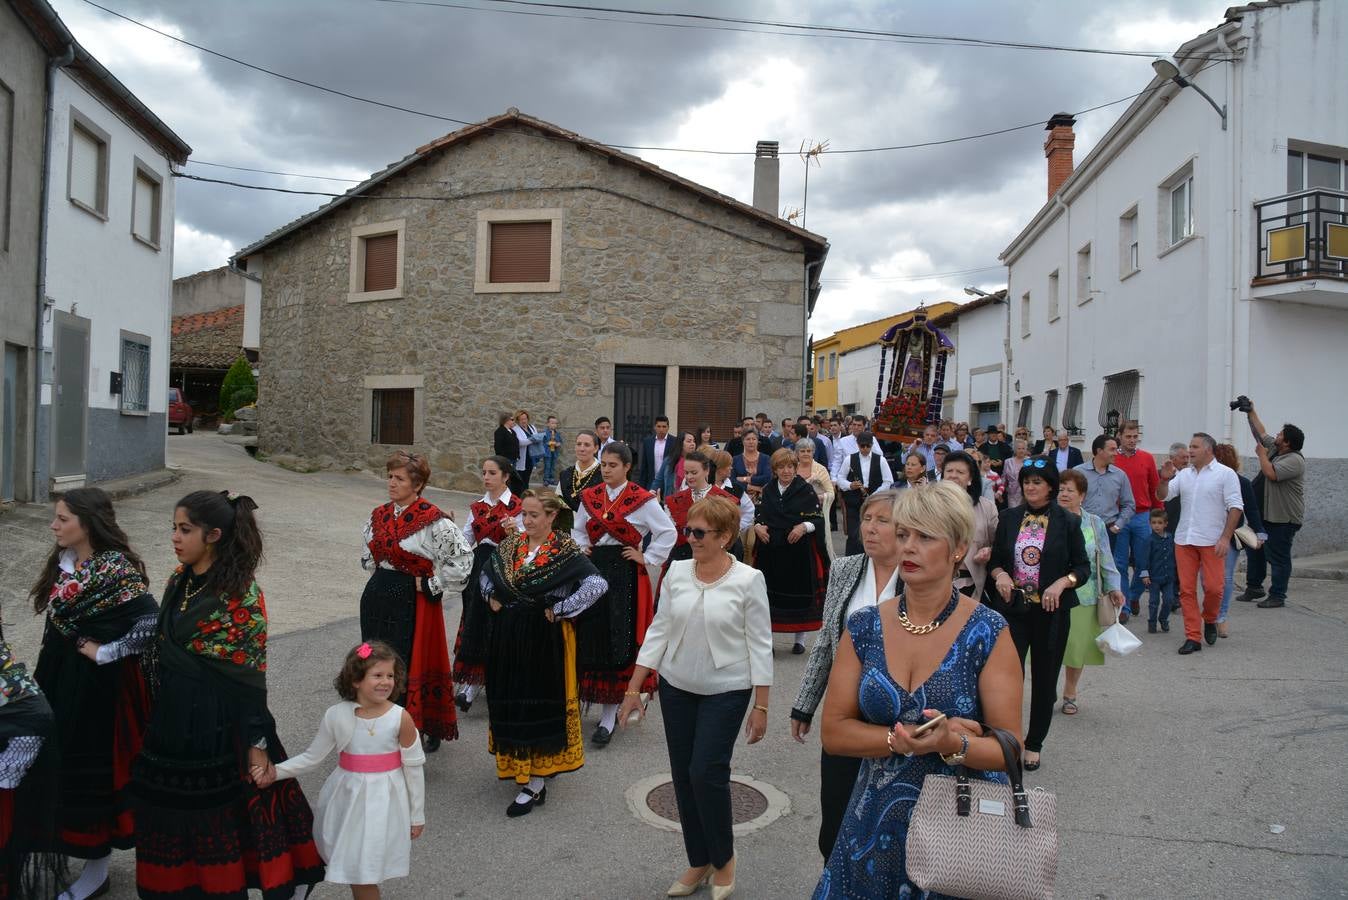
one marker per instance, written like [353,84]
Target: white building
[1171,271]
[108,274]
[975,372]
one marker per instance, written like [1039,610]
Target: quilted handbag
[983,840]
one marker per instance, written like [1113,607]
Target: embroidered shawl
[389,528]
[488,520]
[97,588]
[610,517]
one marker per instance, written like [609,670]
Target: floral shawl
[229,633]
[103,583]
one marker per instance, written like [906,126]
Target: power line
[798,29]
[215,165]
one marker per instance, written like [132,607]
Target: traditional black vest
[874,480]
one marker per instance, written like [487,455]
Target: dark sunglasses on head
[1040,463]
[697,534]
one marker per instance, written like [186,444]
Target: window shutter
[146,199]
[85,167]
[521,253]
[709,396]
[1071,417]
[381,262]
[393,416]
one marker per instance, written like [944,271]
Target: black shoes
[797,649]
[600,738]
[462,702]
[1250,594]
[1271,603]
[429,743]
[1151,628]
[517,809]
[1190,647]
[1210,632]
[1165,626]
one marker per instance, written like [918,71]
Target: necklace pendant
[608,516]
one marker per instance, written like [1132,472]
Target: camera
[1242,403]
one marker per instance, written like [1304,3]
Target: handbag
[1246,537]
[1117,640]
[1105,614]
[982,840]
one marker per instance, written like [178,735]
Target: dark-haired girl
[614,518]
[490,520]
[203,827]
[100,616]
[372,806]
[414,553]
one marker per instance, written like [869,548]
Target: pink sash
[370,762]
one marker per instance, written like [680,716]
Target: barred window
[1120,398]
[1023,414]
[1071,414]
[135,375]
[1050,408]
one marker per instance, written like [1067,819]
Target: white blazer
[737,625]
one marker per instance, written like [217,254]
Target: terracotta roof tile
[208,340]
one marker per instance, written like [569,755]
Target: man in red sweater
[1135,535]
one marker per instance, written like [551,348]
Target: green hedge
[238,389]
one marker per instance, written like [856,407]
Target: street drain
[753,804]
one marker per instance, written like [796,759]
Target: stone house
[517,264]
[215,321]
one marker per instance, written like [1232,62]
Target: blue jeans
[549,468]
[1161,603]
[1277,554]
[1133,538]
[1232,556]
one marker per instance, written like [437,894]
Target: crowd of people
[145,723]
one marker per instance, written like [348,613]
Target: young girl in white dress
[373,805]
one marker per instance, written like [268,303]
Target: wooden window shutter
[146,202]
[381,262]
[521,252]
[394,412]
[711,396]
[86,168]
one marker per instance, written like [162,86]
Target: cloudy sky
[905,225]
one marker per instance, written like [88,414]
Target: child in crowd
[372,806]
[1159,575]
[552,447]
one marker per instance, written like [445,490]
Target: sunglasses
[1040,463]
[697,534]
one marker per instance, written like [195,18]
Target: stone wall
[207,291]
[650,274]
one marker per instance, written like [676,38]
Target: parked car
[179,412]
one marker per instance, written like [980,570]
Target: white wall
[978,344]
[95,266]
[1184,320]
[858,373]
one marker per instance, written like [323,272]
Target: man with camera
[1280,489]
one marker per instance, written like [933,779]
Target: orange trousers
[1189,561]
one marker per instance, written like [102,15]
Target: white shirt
[843,448]
[659,453]
[523,459]
[1060,459]
[711,638]
[1206,496]
[746,505]
[505,497]
[649,518]
[886,476]
[448,548]
[864,596]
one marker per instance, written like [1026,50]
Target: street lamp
[975,292]
[1168,70]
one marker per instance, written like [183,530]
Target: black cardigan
[506,443]
[1064,548]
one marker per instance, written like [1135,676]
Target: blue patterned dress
[868,858]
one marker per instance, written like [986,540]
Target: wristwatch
[956,759]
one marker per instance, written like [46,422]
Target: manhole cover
[746,803]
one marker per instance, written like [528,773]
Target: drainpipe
[1236,239]
[805,333]
[66,58]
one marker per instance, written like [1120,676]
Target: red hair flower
[363,651]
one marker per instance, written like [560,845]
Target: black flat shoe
[1190,647]
[517,809]
[430,744]
[797,649]
[1151,628]
[1165,626]
[1033,766]
[1210,632]
[462,702]
[601,737]
[1270,603]
[1250,594]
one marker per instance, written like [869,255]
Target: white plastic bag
[1117,640]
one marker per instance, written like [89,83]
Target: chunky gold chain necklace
[931,626]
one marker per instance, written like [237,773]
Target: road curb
[134,486]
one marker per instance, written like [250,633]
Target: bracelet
[762,709]
[631,693]
[956,759]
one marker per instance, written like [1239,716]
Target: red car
[179,412]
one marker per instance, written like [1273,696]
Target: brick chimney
[767,175]
[1058,148]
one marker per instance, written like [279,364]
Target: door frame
[78,323]
[653,377]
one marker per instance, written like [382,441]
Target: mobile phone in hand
[929,724]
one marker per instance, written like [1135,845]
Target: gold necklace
[188,594]
[931,626]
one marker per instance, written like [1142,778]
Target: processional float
[913,355]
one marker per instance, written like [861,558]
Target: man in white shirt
[846,445]
[603,427]
[863,473]
[1210,510]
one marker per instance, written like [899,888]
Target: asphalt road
[1168,782]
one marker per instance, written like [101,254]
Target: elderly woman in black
[1038,559]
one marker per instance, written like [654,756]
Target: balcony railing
[1302,235]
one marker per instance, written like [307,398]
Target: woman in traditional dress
[698,470]
[576,478]
[751,468]
[536,582]
[490,520]
[818,477]
[29,778]
[414,553]
[614,518]
[789,550]
[203,828]
[100,616]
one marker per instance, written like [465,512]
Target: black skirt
[526,681]
[606,633]
[388,611]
